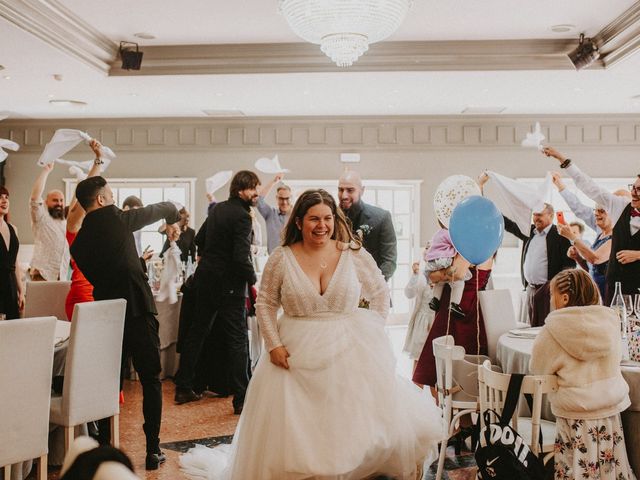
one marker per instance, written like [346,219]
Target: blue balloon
[476,229]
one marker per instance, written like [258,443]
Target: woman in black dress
[11,291]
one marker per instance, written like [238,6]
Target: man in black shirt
[106,254]
[224,273]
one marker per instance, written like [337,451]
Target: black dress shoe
[456,310]
[186,395]
[434,304]
[154,460]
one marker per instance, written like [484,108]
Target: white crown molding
[410,133]
[61,28]
[620,39]
[544,54]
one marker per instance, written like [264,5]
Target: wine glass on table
[636,306]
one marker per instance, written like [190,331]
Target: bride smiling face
[317,225]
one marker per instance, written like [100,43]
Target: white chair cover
[92,372]
[46,298]
[499,317]
[26,357]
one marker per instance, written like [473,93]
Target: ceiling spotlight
[68,103]
[144,36]
[563,28]
[131,59]
[584,54]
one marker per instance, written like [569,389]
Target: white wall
[425,148]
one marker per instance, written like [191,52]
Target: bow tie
[635,212]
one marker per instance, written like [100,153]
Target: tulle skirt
[339,412]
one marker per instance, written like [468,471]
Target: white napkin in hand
[534,139]
[169,279]
[517,200]
[84,166]
[4,143]
[65,140]
[270,165]
[217,181]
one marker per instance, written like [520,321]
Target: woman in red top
[81,290]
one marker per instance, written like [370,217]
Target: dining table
[513,354]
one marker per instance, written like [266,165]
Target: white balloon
[450,192]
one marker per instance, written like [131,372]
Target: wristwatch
[566,163]
[98,161]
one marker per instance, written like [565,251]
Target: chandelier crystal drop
[344,29]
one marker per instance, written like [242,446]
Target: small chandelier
[344,29]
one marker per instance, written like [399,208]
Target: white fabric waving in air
[517,200]
[65,140]
[270,165]
[217,181]
[534,139]
[4,143]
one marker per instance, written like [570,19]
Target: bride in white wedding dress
[326,404]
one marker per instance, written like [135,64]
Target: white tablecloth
[514,354]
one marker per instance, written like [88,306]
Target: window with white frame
[402,199]
[149,190]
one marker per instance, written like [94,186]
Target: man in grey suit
[373,224]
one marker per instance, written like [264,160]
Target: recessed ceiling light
[483,110]
[219,94]
[51,95]
[68,103]
[1,67]
[132,94]
[7,77]
[223,113]
[563,28]
[144,36]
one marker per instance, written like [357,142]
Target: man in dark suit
[544,254]
[224,273]
[105,251]
[373,224]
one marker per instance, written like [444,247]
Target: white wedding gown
[340,412]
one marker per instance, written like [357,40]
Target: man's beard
[351,207]
[57,213]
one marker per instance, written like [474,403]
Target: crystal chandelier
[344,29]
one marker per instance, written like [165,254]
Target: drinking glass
[628,304]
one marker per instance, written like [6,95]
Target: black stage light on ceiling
[584,54]
[131,59]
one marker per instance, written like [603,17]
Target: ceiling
[30,64]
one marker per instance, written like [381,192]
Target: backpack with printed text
[502,454]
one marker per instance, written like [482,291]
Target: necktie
[635,212]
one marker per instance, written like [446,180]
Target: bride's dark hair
[310,198]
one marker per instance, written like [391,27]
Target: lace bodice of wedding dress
[285,284]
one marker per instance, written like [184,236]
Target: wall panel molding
[332,134]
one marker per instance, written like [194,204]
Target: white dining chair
[499,317]
[92,372]
[26,358]
[46,298]
[457,388]
[493,393]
